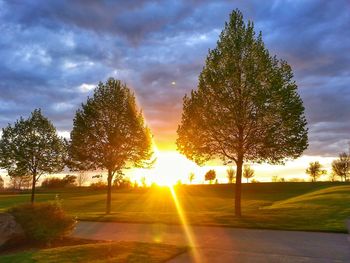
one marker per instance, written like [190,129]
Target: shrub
[122,183]
[98,185]
[43,222]
[55,182]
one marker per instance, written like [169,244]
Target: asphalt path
[222,244]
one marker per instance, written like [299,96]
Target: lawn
[100,252]
[319,206]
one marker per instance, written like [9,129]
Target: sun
[171,167]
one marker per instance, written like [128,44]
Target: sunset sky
[53,53]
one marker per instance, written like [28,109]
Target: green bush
[43,222]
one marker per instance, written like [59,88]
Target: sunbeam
[188,231]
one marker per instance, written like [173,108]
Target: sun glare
[171,168]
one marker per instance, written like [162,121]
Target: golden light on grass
[187,228]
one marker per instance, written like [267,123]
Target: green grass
[319,206]
[96,253]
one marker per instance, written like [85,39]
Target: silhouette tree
[32,147]
[143,182]
[191,177]
[315,171]
[210,176]
[20,182]
[231,175]
[109,133]
[82,178]
[248,172]
[246,107]
[2,183]
[341,166]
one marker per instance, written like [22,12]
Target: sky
[53,53]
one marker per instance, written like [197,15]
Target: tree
[2,183]
[231,175]
[20,182]
[32,147]
[210,176]
[248,172]
[246,107]
[109,133]
[143,182]
[191,177]
[332,177]
[341,166]
[315,171]
[55,182]
[82,178]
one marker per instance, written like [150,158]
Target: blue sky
[54,52]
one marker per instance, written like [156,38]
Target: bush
[98,185]
[43,222]
[55,182]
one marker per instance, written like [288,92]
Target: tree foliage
[248,172]
[109,133]
[210,176]
[31,147]
[246,107]
[341,166]
[315,171]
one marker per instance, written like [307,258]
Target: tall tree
[315,171]
[341,166]
[246,107]
[32,147]
[109,133]
[248,172]
[231,175]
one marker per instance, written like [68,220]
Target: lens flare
[188,231]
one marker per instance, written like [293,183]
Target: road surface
[219,244]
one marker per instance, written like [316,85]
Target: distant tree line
[340,169]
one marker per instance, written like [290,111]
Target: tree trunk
[238,191]
[109,192]
[33,188]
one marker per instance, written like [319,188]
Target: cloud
[53,53]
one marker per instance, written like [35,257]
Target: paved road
[215,244]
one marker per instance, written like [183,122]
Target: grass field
[319,206]
[96,253]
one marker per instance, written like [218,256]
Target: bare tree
[231,175]
[82,178]
[248,172]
